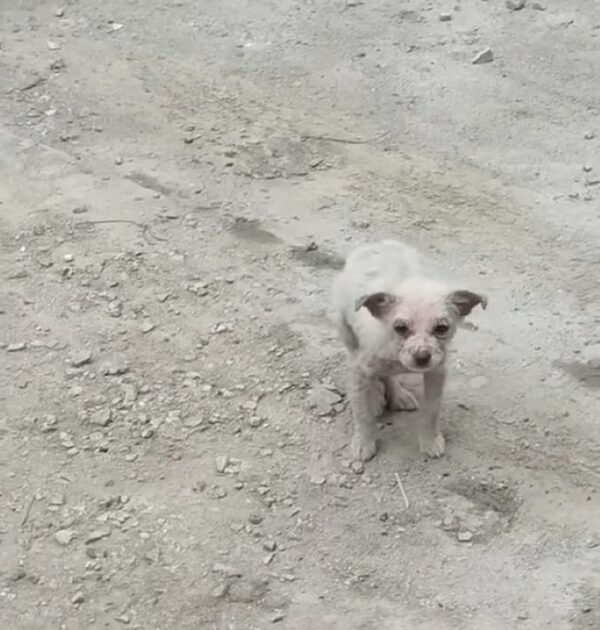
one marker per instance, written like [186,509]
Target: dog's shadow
[398,428]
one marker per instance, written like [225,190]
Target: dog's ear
[465,301]
[379,304]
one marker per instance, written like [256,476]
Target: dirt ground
[179,182]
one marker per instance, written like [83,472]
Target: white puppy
[394,318]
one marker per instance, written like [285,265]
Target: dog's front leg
[431,440]
[367,396]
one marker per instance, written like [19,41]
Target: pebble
[445,17]
[269,545]
[484,56]
[465,536]
[64,536]
[98,534]
[217,492]
[590,135]
[478,382]
[227,570]
[114,368]
[357,467]
[587,169]
[515,5]
[60,12]
[221,463]
[247,591]
[78,598]
[538,7]
[101,417]
[79,358]
[16,347]
[148,327]
[68,258]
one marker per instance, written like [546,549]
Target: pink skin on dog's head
[420,326]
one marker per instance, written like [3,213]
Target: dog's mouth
[421,366]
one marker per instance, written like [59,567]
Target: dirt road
[179,182]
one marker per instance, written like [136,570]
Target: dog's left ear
[465,301]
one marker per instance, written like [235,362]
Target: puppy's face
[420,327]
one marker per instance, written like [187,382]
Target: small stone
[98,534]
[277,617]
[60,12]
[80,210]
[49,424]
[465,536]
[269,545]
[317,479]
[247,591]
[57,500]
[114,368]
[64,536]
[515,5]
[586,609]
[220,590]
[79,358]
[484,56]
[255,519]
[255,421]
[101,417]
[53,45]
[523,616]
[68,258]
[16,347]
[148,327]
[221,463]
[445,17]
[590,135]
[478,382]
[227,570]
[78,598]
[537,6]
[357,467]
[217,492]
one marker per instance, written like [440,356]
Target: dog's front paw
[363,448]
[433,447]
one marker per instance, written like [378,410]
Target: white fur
[378,353]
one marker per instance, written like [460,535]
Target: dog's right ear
[378,304]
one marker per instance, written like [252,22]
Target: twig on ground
[404,497]
[28,511]
[308,136]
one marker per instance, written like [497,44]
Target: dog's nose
[422,357]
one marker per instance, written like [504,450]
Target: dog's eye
[441,329]
[401,328]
